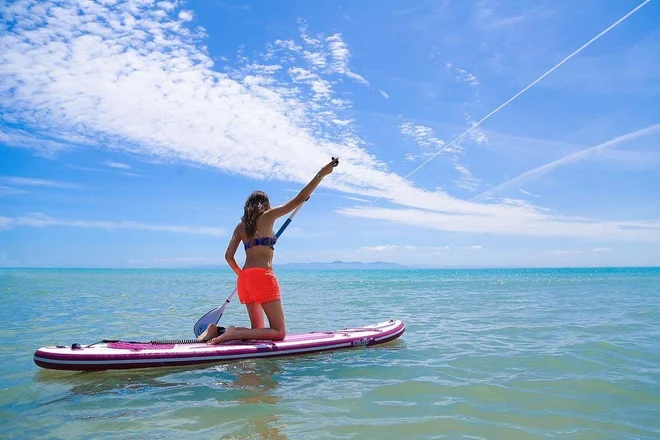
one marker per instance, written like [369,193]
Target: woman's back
[259,247]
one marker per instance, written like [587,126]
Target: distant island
[342,265]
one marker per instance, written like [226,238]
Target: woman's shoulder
[239,229]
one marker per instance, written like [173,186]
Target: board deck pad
[130,354]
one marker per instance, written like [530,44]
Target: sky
[131,132]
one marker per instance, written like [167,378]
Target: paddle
[213,316]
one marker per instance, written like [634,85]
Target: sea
[487,354]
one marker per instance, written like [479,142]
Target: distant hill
[342,265]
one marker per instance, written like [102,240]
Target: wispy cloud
[45,145]
[177,261]
[528,222]
[118,165]
[10,190]
[527,193]
[39,220]
[577,251]
[341,57]
[5,222]
[578,156]
[393,249]
[424,249]
[426,138]
[488,18]
[422,135]
[356,199]
[476,134]
[27,181]
[388,247]
[186,16]
[118,168]
[462,75]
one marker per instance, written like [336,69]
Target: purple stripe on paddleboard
[139,346]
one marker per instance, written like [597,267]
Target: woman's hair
[255,205]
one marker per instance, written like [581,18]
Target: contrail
[571,158]
[588,43]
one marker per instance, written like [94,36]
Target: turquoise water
[496,354]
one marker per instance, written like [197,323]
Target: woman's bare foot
[226,336]
[210,332]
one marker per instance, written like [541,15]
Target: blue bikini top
[261,241]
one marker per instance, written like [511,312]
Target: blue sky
[131,132]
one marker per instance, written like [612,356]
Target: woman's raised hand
[329,167]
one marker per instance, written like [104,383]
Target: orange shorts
[257,284]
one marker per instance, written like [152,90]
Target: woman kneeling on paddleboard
[258,288]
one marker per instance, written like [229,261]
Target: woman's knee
[279,334]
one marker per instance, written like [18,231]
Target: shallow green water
[496,354]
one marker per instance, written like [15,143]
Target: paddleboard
[111,355]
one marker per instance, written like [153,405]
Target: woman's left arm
[231,251]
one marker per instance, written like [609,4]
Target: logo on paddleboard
[362,342]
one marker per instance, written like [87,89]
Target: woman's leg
[256,313]
[276,332]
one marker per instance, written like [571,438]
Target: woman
[258,288]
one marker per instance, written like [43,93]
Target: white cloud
[578,156]
[476,134]
[475,247]
[527,193]
[341,57]
[463,75]
[26,181]
[5,222]
[289,45]
[384,94]
[356,199]
[39,220]
[383,248]
[10,190]
[467,180]
[392,251]
[190,259]
[132,76]
[601,249]
[342,122]
[177,262]
[119,165]
[527,222]
[422,135]
[186,15]
[488,19]
[425,137]
[46,145]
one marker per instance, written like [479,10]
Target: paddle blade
[211,317]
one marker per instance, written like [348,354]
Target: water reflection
[257,380]
[249,386]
